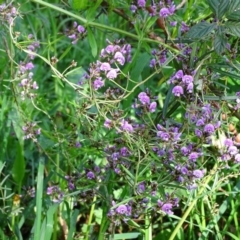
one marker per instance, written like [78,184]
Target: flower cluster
[111,57]
[25,74]
[55,193]
[183,83]
[229,151]
[145,102]
[8,12]
[159,57]
[204,120]
[30,131]
[76,33]
[168,204]
[162,8]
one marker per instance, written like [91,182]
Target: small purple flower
[198,132]
[172,9]
[109,49]
[190,88]
[237,158]
[232,150]
[228,142]
[198,173]
[105,67]
[98,83]
[144,98]
[122,209]
[120,58]
[133,8]
[152,63]
[164,12]
[165,207]
[177,91]
[209,129]
[80,29]
[173,24]
[112,74]
[141,3]
[124,151]
[107,123]
[187,79]
[185,151]
[200,122]
[193,156]
[125,126]
[163,135]
[152,107]
[184,170]
[90,175]
[179,74]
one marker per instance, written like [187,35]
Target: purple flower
[200,122]
[107,123]
[120,58]
[198,173]
[187,79]
[90,175]
[177,91]
[109,49]
[164,12]
[112,74]
[105,67]
[98,83]
[125,126]
[209,128]
[152,63]
[165,207]
[122,209]
[179,74]
[228,142]
[152,107]
[185,151]
[190,88]
[144,98]
[133,8]
[141,187]
[184,170]
[232,150]
[124,151]
[237,158]
[198,132]
[80,29]
[173,24]
[193,156]
[163,135]
[141,3]
[172,9]
[184,27]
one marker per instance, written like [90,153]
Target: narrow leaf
[18,170]
[201,30]
[92,42]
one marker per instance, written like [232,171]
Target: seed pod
[231,127]
[237,138]
[224,116]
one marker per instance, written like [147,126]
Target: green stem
[90,217]
[192,204]
[101,26]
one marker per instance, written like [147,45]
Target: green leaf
[233,28]
[234,10]
[219,7]
[201,30]
[18,170]
[79,4]
[220,44]
[92,42]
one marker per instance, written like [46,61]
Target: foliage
[119,119]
